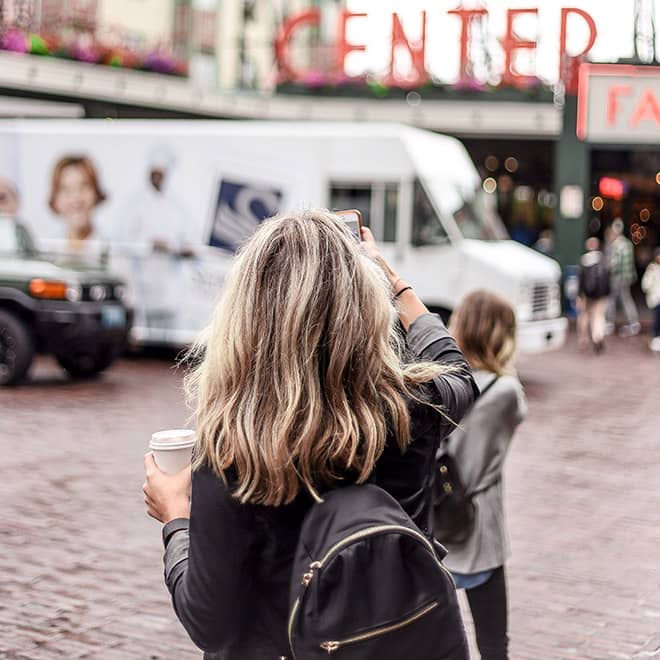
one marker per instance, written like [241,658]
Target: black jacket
[228,568]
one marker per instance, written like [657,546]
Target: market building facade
[548,161]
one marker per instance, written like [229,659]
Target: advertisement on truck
[165,205]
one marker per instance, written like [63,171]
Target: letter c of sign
[283,41]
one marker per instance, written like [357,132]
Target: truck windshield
[477,217]
[426,228]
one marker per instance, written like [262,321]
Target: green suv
[70,310]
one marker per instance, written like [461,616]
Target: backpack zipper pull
[330,647]
[307,577]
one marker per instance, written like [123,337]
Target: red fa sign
[511,44]
[619,103]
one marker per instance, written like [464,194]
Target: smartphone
[353,220]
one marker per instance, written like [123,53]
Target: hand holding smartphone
[353,220]
[408,305]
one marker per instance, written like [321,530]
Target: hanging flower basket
[87,49]
[367,87]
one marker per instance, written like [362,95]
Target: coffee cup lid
[172,439]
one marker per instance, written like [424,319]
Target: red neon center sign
[511,44]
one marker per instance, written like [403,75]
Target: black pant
[489,612]
[656,321]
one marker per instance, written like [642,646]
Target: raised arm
[428,339]
[456,389]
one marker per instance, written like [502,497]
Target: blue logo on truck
[240,208]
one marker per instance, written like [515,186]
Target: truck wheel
[16,349]
[86,365]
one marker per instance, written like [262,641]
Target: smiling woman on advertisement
[305,384]
[75,194]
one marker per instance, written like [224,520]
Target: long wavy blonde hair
[300,376]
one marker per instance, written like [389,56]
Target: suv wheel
[16,348]
[86,365]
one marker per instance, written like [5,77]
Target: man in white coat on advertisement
[154,221]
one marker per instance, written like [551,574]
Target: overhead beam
[46,75]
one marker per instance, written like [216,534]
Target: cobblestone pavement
[81,572]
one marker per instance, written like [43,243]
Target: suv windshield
[14,238]
[477,218]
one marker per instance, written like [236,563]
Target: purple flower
[314,78]
[160,62]
[14,40]
[85,53]
[470,85]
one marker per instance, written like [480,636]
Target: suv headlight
[74,292]
[97,292]
[119,292]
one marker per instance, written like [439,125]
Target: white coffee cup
[172,449]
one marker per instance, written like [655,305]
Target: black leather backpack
[368,585]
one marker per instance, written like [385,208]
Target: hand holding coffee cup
[168,475]
[172,449]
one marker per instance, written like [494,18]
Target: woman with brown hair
[484,326]
[301,387]
[75,193]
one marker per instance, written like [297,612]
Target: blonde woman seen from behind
[484,326]
[302,387]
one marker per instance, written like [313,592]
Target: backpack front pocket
[333,646]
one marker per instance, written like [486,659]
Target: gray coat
[480,446]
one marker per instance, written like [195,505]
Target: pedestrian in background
[593,296]
[546,243]
[300,388]
[484,326]
[621,261]
[651,287]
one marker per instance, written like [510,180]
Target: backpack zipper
[333,646]
[369,531]
[292,617]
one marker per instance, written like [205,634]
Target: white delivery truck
[166,203]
